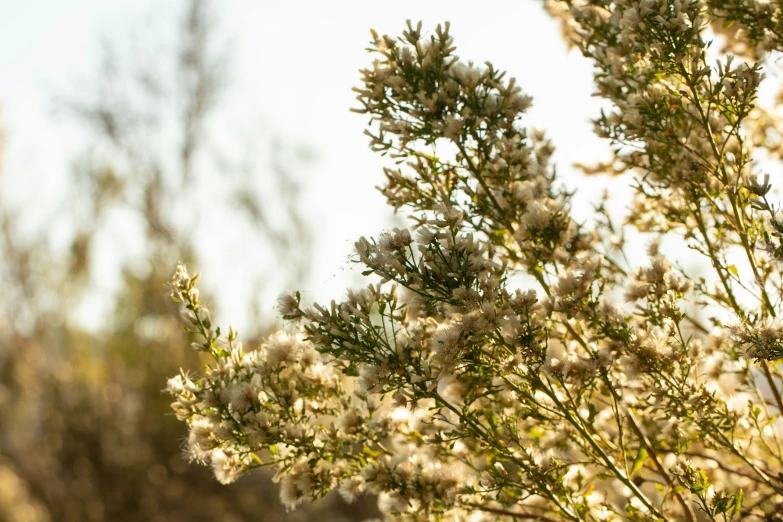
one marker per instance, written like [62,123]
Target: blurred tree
[81,435]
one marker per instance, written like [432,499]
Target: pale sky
[296,62]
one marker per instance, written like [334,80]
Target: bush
[452,392]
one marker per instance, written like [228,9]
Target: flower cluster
[424,101]
[454,393]
[764,340]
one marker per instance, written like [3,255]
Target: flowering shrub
[452,392]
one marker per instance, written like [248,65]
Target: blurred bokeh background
[137,134]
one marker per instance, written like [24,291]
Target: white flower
[351,488]
[227,467]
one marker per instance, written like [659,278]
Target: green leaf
[592,413]
[737,503]
[638,462]
[700,483]
[368,451]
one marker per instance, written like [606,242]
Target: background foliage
[85,432]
